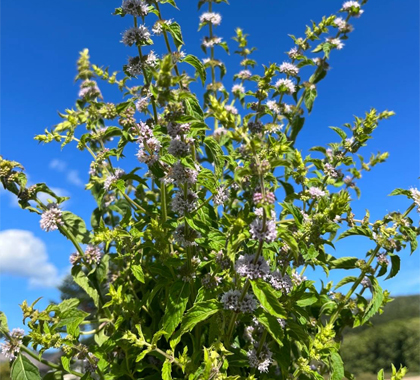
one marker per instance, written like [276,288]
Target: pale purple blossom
[382,259]
[238,89]
[258,232]
[230,300]
[178,148]
[210,281]
[289,69]
[285,85]
[293,53]
[136,35]
[175,130]
[181,174]
[211,18]
[415,195]
[247,266]
[186,240]
[183,205]
[261,361]
[142,104]
[221,196]
[244,74]
[93,254]
[112,178]
[52,218]
[11,348]
[273,107]
[89,89]
[315,192]
[211,42]
[297,279]
[135,7]
[75,258]
[280,282]
[336,42]
[233,110]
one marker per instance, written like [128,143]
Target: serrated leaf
[345,280]
[340,132]
[175,306]
[395,268]
[138,273]
[167,370]
[268,299]
[198,65]
[81,279]
[337,367]
[344,263]
[71,319]
[198,313]
[376,301]
[76,226]
[24,369]
[271,324]
[175,30]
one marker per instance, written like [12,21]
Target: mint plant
[195,259]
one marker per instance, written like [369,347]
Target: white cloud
[58,165]
[23,254]
[73,177]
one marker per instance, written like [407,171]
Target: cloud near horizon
[23,254]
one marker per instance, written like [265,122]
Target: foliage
[396,342]
[192,260]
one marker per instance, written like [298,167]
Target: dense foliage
[195,260]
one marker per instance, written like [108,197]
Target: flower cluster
[289,69]
[264,230]
[260,359]
[11,348]
[135,7]
[232,301]
[136,35]
[285,85]
[251,267]
[211,18]
[184,203]
[221,196]
[52,218]
[112,178]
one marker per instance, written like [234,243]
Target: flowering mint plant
[195,259]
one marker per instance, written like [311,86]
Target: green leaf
[401,192]
[138,272]
[345,280]
[3,322]
[307,299]
[360,231]
[71,319]
[271,324]
[309,98]
[175,31]
[381,375]
[76,226]
[81,279]
[24,369]
[198,313]
[395,261]
[297,125]
[344,263]
[376,301]
[337,367]
[167,370]
[175,306]
[268,299]
[198,65]
[214,153]
[340,132]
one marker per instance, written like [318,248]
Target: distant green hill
[393,338]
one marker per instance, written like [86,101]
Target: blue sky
[378,67]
